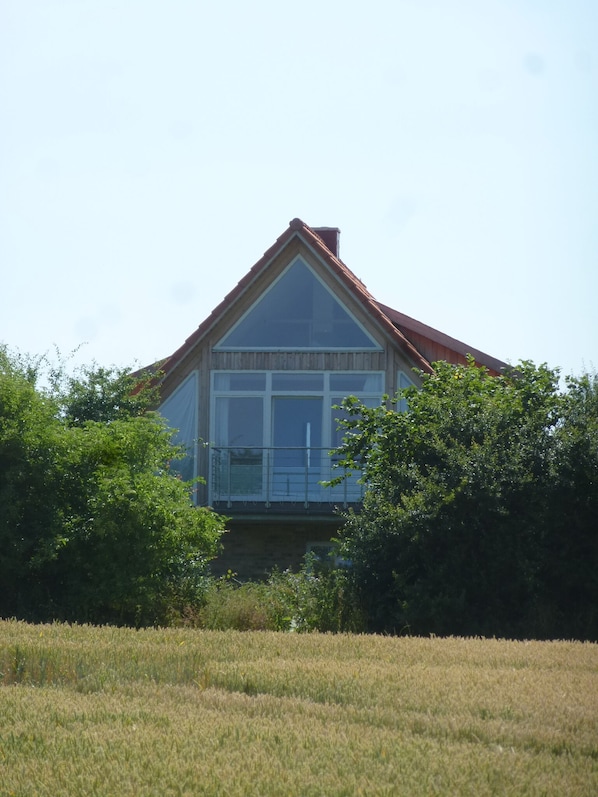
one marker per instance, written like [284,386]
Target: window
[180,411]
[298,312]
[241,380]
[239,441]
[274,444]
[403,382]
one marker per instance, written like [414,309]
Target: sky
[151,151]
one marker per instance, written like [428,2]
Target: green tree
[30,435]
[569,575]
[95,393]
[464,512]
[94,525]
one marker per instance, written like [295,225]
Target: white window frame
[329,396]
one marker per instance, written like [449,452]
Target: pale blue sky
[150,151]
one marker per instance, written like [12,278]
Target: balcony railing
[279,475]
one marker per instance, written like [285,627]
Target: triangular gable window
[298,312]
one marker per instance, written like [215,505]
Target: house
[252,392]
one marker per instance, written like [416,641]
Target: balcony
[284,479]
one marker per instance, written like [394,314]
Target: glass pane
[297,422]
[238,458]
[239,422]
[352,384]
[298,312]
[240,381]
[404,382]
[305,382]
[297,456]
[180,410]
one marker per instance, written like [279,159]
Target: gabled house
[252,392]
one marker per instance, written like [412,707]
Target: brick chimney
[330,236]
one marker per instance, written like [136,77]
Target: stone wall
[253,548]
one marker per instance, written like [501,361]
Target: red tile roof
[438,341]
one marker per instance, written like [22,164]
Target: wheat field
[107,711]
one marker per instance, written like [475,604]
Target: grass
[106,711]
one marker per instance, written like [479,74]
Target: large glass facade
[272,434]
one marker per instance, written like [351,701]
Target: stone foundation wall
[253,548]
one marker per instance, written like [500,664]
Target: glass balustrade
[293,474]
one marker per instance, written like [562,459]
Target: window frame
[329,395]
[222,345]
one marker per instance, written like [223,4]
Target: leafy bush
[480,510]
[317,598]
[94,526]
[242,607]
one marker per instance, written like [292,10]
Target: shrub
[252,606]
[318,597]
[479,516]
[95,526]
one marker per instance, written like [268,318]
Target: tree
[30,435]
[569,575]
[464,511]
[94,524]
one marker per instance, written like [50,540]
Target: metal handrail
[274,474]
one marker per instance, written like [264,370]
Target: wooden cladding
[298,361]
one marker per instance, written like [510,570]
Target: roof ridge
[355,286]
[358,286]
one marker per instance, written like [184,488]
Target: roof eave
[232,296]
[361,293]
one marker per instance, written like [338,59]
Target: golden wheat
[105,711]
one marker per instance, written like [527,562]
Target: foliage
[93,525]
[569,571]
[240,607]
[316,598]
[30,444]
[479,514]
[95,393]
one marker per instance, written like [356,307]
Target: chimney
[330,236]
